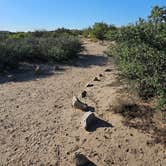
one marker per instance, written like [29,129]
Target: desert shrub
[87,32]
[8,56]
[111,34]
[4,35]
[60,48]
[66,32]
[99,30]
[142,63]
[17,49]
[12,51]
[140,54]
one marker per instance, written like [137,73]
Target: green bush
[99,30]
[140,54]
[17,49]
[87,32]
[8,56]
[60,48]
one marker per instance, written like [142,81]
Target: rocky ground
[39,127]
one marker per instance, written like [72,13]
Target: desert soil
[39,127]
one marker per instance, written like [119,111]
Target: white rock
[89,84]
[88,119]
[76,103]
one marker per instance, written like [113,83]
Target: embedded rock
[80,159]
[88,120]
[76,103]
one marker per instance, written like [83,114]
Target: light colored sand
[39,127]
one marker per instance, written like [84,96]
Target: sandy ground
[39,127]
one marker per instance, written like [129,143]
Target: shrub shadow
[141,117]
[88,60]
[26,71]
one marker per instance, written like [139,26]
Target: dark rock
[96,79]
[100,75]
[84,94]
[108,70]
[80,159]
[89,85]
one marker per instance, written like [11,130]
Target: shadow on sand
[26,71]
[90,163]
[85,60]
[99,123]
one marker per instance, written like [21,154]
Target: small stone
[80,159]
[95,154]
[106,137]
[96,79]
[127,150]
[76,103]
[15,149]
[108,70]
[100,75]
[88,119]
[84,94]
[84,140]
[27,139]
[89,85]
[150,143]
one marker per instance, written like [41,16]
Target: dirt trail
[38,126]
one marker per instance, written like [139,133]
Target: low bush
[99,31]
[16,49]
[140,54]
